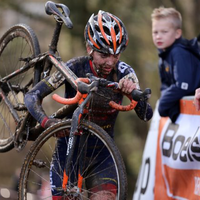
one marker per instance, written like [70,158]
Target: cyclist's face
[104,62]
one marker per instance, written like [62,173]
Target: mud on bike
[22,66]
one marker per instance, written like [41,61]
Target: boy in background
[179,61]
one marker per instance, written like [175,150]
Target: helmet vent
[98,43]
[116,28]
[97,28]
[106,30]
[91,32]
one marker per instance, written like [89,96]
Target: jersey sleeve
[143,109]
[33,98]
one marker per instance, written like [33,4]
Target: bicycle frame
[43,63]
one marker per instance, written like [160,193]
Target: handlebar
[87,85]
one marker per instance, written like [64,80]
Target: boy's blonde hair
[163,13]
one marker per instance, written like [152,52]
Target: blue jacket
[179,68]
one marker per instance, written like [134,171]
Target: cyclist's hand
[127,85]
[197,99]
[51,122]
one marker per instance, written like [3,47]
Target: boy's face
[164,33]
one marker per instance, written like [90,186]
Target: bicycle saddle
[52,8]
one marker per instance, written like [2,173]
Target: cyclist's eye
[116,56]
[104,55]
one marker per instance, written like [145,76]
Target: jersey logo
[184,86]
[122,67]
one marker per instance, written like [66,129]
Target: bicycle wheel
[17,46]
[35,181]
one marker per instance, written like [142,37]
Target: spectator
[179,60]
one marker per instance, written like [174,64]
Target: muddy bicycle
[22,71]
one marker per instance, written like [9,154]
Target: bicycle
[80,131]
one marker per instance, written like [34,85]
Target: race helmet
[106,33]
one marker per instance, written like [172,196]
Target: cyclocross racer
[106,38]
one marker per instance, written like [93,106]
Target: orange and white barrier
[171,159]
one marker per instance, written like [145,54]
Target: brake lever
[85,88]
[138,95]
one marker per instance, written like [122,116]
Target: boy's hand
[127,85]
[197,99]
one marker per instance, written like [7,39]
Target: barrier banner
[170,166]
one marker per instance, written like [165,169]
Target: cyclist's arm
[143,109]
[33,98]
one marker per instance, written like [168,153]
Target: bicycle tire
[17,43]
[30,175]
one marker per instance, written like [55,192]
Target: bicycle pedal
[20,140]
[39,163]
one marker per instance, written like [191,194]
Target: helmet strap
[95,68]
[98,71]
[90,53]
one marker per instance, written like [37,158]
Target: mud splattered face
[103,63]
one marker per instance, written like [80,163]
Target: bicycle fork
[81,165]
[71,147]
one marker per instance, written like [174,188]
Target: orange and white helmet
[106,33]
